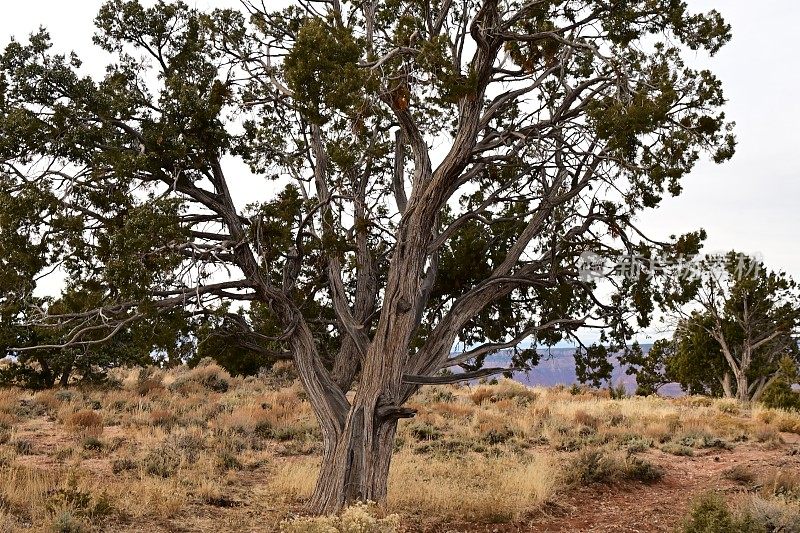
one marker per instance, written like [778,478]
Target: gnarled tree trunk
[355,464]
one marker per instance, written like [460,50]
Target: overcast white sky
[751,203]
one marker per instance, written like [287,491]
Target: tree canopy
[437,168]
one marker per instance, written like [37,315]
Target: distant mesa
[557,367]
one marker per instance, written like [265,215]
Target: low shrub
[637,444]
[123,464]
[66,522]
[22,446]
[163,461]
[425,431]
[498,435]
[92,443]
[592,466]
[703,440]
[710,514]
[774,514]
[677,449]
[596,465]
[227,460]
[637,469]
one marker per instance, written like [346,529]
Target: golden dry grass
[170,445]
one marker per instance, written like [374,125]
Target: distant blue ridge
[557,367]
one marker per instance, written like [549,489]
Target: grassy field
[197,450]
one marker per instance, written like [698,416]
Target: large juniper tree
[438,168]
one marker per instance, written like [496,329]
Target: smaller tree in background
[779,393]
[36,358]
[736,337]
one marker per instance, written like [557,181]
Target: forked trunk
[355,464]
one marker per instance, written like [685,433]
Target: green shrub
[595,465]
[163,461]
[80,502]
[227,460]
[65,395]
[703,440]
[635,445]
[637,469]
[619,392]
[443,396]
[92,444]
[66,522]
[425,431]
[677,449]
[498,436]
[592,466]
[710,514]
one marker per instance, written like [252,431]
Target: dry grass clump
[144,381]
[23,490]
[85,421]
[359,518]
[740,474]
[486,489]
[504,390]
[7,421]
[783,483]
[281,375]
[781,419]
[207,375]
[482,488]
[9,401]
[149,497]
[163,418]
[600,465]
